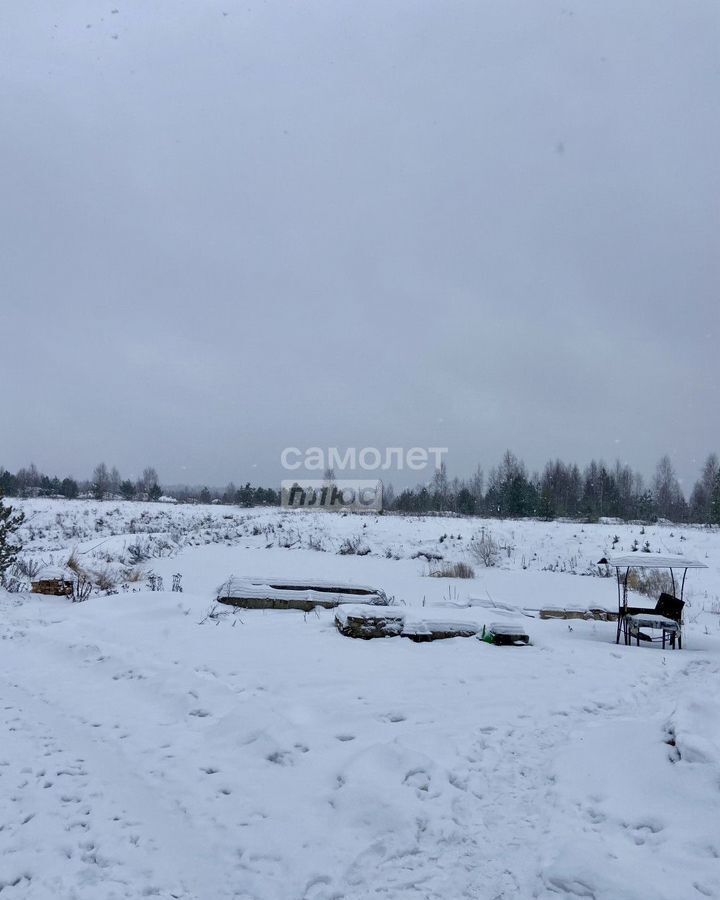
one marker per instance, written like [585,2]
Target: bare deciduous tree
[101,481]
[668,494]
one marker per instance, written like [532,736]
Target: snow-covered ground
[151,749]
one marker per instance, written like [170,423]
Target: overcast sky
[231,227]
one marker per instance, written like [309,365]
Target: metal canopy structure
[646,561]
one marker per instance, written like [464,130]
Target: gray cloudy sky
[231,227]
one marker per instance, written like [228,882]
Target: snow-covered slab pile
[286,593]
[368,622]
[418,625]
[437,629]
[547,611]
[559,612]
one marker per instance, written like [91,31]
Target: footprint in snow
[280,758]
[316,888]
[645,831]
[418,779]
[595,815]
[458,781]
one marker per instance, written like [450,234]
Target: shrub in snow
[485,549]
[26,568]
[82,587]
[428,555]
[353,546]
[21,574]
[138,552]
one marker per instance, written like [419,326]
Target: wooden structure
[666,617]
[304,595]
[53,581]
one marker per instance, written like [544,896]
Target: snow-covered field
[149,749]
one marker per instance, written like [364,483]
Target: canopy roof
[651,561]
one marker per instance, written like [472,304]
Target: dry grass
[105,580]
[451,570]
[26,568]
[87,580]
[134,575]
[650,582]
[73,564]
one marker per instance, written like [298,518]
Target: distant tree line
[509,491]
[246,496]
[564,490]
[107,484]
[103,485]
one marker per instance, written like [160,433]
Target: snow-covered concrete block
[438,629]
[368,622]
[288,593]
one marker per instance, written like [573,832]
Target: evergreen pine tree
[466,502]
[9,524]
[715,502]
[546,507]
[127,489]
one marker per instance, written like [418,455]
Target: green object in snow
[504,635]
